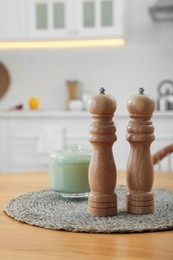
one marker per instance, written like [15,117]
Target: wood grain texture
[4,79]
[140,172]
[20,241]
[102,169]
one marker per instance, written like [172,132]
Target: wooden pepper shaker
[139,172]
[102,199]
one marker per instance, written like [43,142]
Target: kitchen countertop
[19,241]
[66,114]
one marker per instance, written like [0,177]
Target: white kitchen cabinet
[20,133]
[163,136]
[100,18]
[66,19]
[13,20]
[49,19]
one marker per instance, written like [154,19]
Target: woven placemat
[47,209]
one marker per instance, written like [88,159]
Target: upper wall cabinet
[12,20]
[49,19]
[67,19]
[99,18]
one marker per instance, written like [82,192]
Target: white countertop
[43,113]
[66,114]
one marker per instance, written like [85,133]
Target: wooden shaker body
[139,171]
[102,199]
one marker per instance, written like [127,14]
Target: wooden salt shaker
[102,199]
[139,172]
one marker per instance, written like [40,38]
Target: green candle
[69,172]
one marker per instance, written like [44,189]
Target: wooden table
[22,241]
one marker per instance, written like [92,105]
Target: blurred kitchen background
[143,57]
[144,61]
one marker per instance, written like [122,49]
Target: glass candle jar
[69,172]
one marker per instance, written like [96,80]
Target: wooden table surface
[22,241]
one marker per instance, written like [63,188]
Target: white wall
[144,61]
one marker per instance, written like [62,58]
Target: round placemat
[47,209]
